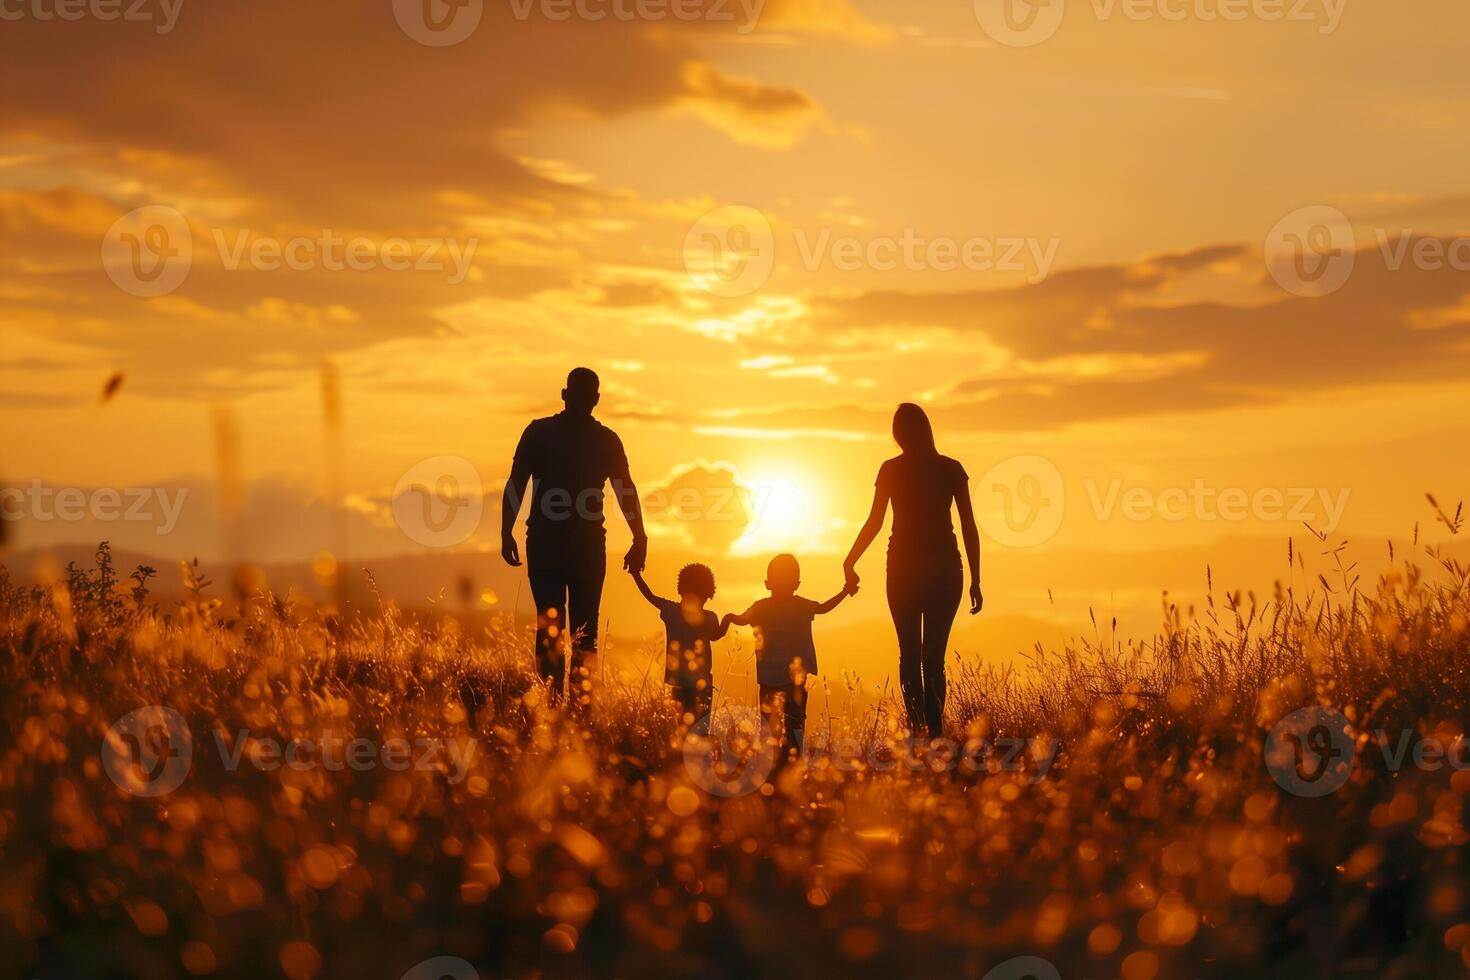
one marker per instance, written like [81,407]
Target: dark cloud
[330,107]
[1435,211]
[1210,355]
[292,119]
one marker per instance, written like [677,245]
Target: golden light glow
[761,252]
[788,513]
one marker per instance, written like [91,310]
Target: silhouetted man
[568,457]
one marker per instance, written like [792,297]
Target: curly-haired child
[691,631]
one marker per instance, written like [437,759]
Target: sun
[786,512]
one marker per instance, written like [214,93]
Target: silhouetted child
[785,654]
[690,631]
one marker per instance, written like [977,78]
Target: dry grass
[1157,845]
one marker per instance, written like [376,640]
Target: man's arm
[627,496]
[510,507]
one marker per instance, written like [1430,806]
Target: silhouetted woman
[925,580]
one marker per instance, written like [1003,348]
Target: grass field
[1124,821]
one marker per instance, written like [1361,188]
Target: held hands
[977,601]
[509,551]
[851,584]
[637,556]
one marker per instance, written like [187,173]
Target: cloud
[623,295]
[837,18]
[747,110]
[1111,341]
[1451,210]
[352,120]
[701,505]
[354,128]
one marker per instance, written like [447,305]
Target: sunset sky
[1136,165]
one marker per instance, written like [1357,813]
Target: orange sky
[558,176]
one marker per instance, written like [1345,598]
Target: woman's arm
[971,534]
[865,537]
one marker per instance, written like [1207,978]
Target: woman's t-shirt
[687,653]
[922,488]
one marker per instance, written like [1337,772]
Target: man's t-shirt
[923,489]
[783,639]
[569,457]
[687,656]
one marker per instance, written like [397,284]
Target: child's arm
[732,619]
[836,600]
[653,600]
